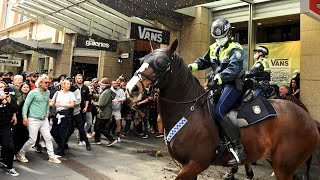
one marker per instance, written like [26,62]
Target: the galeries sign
[10,62]
[138,31]
[96,42]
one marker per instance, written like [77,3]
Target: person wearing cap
[104,106]
[225,57]
[260,71]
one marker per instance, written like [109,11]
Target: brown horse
[286,140]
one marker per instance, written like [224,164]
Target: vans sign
[96,42]
[138,31]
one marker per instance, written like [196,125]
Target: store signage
[138,31]
[311,8]
[10,62]
[96,42]
[280,70]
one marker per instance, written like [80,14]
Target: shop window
[278,33]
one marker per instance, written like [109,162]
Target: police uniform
[261,72]
[225,57]
[227,61]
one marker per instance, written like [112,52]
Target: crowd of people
[37,109]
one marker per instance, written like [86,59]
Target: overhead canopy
[85,17]
[16,46]
[163,11]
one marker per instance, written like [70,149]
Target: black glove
[212,84]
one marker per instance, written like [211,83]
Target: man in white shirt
[116,104]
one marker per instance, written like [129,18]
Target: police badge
[256,109]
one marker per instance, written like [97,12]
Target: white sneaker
[82,143]
[12,172]
[54,160]
[22,158]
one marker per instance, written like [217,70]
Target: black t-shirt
[85,96]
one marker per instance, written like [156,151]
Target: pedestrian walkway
[133,158]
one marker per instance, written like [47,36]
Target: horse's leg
[249,171]
[229,175]
[190,171]
[308,165]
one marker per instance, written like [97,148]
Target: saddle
[250,110]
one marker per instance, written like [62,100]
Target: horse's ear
[153,46]
[173,47]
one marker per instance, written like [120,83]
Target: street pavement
[133,158]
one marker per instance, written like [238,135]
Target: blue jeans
[226,101]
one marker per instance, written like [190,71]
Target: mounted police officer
[225,57]
[260,71]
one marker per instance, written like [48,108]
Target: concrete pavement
[131,159]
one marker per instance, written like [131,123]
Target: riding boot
[233,134]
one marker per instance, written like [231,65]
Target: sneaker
[12,172]
[54,160]
[112,142]
[145,136]
[38,148]
[82,143]
[118,139]
[96,142]
[159,135]
[22,158]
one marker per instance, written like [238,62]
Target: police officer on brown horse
[225,57]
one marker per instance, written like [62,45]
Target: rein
[184,102]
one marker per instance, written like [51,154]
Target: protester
[7,118]
[35,114]
[63,100]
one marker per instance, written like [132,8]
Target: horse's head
[153,69]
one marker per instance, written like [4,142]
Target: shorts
[116,114]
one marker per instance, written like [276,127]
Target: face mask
[256,56]
[102,88]
[222,41]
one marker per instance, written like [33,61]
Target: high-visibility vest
[224,53]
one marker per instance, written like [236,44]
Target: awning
[85,17]
[16,46]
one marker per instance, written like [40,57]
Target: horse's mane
[185,77]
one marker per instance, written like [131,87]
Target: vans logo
[138,31]
[150,34]
[280,62]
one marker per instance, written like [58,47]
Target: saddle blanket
[256,110]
